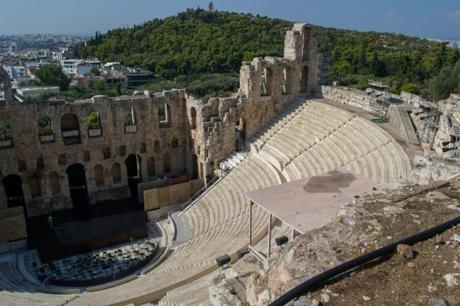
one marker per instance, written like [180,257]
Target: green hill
[198,42]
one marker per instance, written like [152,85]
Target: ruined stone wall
[449,108]
[266,85]
[30,158]
[348,96]
[198,136]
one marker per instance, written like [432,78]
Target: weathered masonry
[56,155]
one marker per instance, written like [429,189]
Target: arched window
[45,129]
[116,173]
[193,119]
[6,139]
[78,187]
[287,79]
[151,171]
[93,123]
[70,129]
[54,183]
[13,190]
[129,120]
[99,175]
[164,114]
[174,143]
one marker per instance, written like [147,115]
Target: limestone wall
[197,136]
[449,117]
[348,96]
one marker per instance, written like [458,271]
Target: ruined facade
[48,150]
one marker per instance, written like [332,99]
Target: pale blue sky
[426,18]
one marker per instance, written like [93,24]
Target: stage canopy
[314,201]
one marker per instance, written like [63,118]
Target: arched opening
[129,120]
[166,163]
[70,129]
[12,185]
[116,173]
[193,119]
[164,115]
[194,174]
[93,124]
[45,129]
[132,164]
[151,171]
[6,138]
[34,187]
[78,188]
[240,135]
[304,80]
[54,184]
[99,175]
[267,80]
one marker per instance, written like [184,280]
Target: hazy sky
[426,18]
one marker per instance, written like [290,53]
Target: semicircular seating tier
[316,138]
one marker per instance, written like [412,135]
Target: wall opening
[266,84]
[93,124]
[240,135]
[12,185]
[45,129]
[132,164]
[164,115]
[304,80]
[286,86]
[193,119]
[116,173]
[174,143]
[78,188]
[6,137]
[129,120]
[70,129]
[194,174]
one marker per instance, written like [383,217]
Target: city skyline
[428,19]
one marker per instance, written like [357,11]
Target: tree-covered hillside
[200,42]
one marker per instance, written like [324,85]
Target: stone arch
[34,186]
[54,183]
[193,118]
[132,163]
[304,80]
[116,173]
[70,128]
[151,170]
[267,81]
[78,187]
[99,175]
[14,193]
[5,87]
[93,124]
[164,114]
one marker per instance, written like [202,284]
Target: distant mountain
[198,41]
